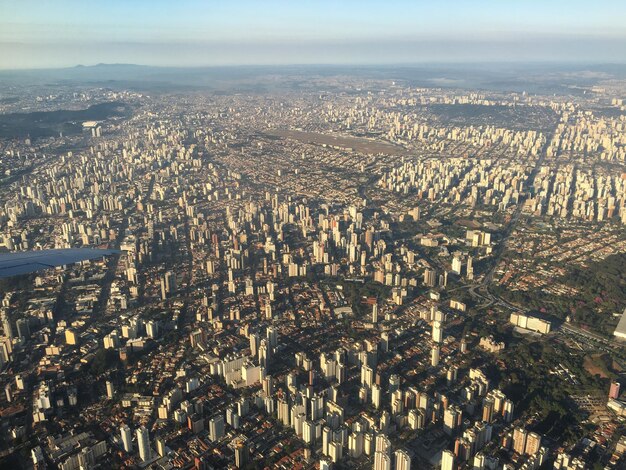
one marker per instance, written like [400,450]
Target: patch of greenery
[104,360]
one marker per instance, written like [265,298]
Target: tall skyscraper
[367,376]
[376,395]
[614,390]
[254,344]
[488,406]
[168,284]
[242,454]
[447,460]
[533,443]
[160,445]
[430,278]
[519,440]
[470,268]
[437,332]
[216,428]
[327,437]
[272,336]
[127,438]
[265,353]
[382,461]
[452,417]
[457,263]
[383,444]
[434,356]
[355,444]
[6,324]
[403,460]
[335,451]
[143,443]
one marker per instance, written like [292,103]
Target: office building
[216,428]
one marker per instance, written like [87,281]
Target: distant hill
[532,78]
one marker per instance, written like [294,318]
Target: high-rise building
[376,395]
[488,406]
[355,444]
[463,448]
[416,419]
[265,353]
[110,389]
[507,410]
[23,328]
[368,443]
[452,374]
[434,356]
[160,445]
[385,338]
[216,428]
[533,443]
[383,444]
[284,412]
[452,418]
[340,373]
[382,461]
[403,460]
[614,390]
[397,402]
[479,461]
[210,267]
[308,432]
[430,278]
[447,460]
[6,324]
[367,376]
[268,386]
[317,407]
[143,443]
[242,454]
[437,334]
[335,451]
[457,264]
[168,284]
[152,329]
[519,440]
[327,437]
[272,336]
[254,344]
[470,269]
[394,383]
[127,438]
[375,313]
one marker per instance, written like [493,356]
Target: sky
[65,33]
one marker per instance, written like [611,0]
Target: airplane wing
[14,264]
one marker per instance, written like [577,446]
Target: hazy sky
[52,33]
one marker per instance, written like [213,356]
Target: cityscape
[386,267]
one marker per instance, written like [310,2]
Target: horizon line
[581,62]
